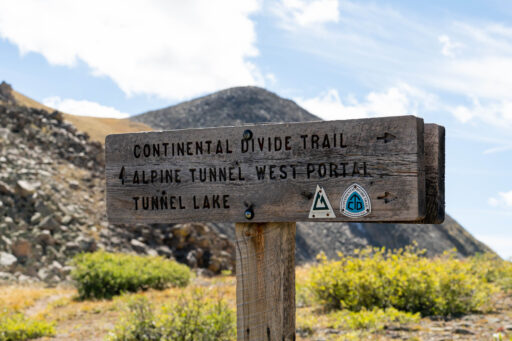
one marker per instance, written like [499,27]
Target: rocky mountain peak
[234,106]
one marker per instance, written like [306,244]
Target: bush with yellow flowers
[404,280]
[15,326]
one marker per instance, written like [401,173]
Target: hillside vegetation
[377,295]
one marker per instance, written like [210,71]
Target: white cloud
[448,46]
[306,13]
[504,200]
[477,71]
[402,99]
[173,49]
[498,113]
[480,77]
[465,61]
[83,108]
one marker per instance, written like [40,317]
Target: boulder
[164,250]
[4,134]
[43,273]
[66,220]
[192,259]
[22,248]
[215,265]
[74,185]
[35,218]
[45,238]
[6,259]
[138,246]
[6,240]
[43,209]
[27,188]
[7,277]
[86,244]
[49,223]
[6,189]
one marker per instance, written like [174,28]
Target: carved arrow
[387,197]
[387,137]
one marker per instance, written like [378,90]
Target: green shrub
[375,319]
[139,324]
[493,269]
[401,279]
[104,275]
[191,318]
[15,326]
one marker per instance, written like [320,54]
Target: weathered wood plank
[434,173]
[265,281]
[158,176]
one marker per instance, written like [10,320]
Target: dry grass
[21,298]
[93,320]
[29,102]
[97,127]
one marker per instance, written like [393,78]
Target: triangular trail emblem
[321,207]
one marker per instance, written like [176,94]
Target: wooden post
[265,281]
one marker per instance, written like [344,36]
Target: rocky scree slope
[52,204]
[248,105]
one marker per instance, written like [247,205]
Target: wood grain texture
[434,174]
[383,155]
[265,287]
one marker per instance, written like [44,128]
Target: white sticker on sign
[321,207]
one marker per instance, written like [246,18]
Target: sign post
[265,281]
[265,178]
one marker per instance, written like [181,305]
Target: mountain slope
[96,127]
[234,106]
[241,105]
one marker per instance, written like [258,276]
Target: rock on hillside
[52,203]
[234,106]
[6,95]
[47,207]
[243,105]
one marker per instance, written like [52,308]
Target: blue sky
[448,62]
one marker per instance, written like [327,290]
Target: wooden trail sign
[367,170]
[270,176]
